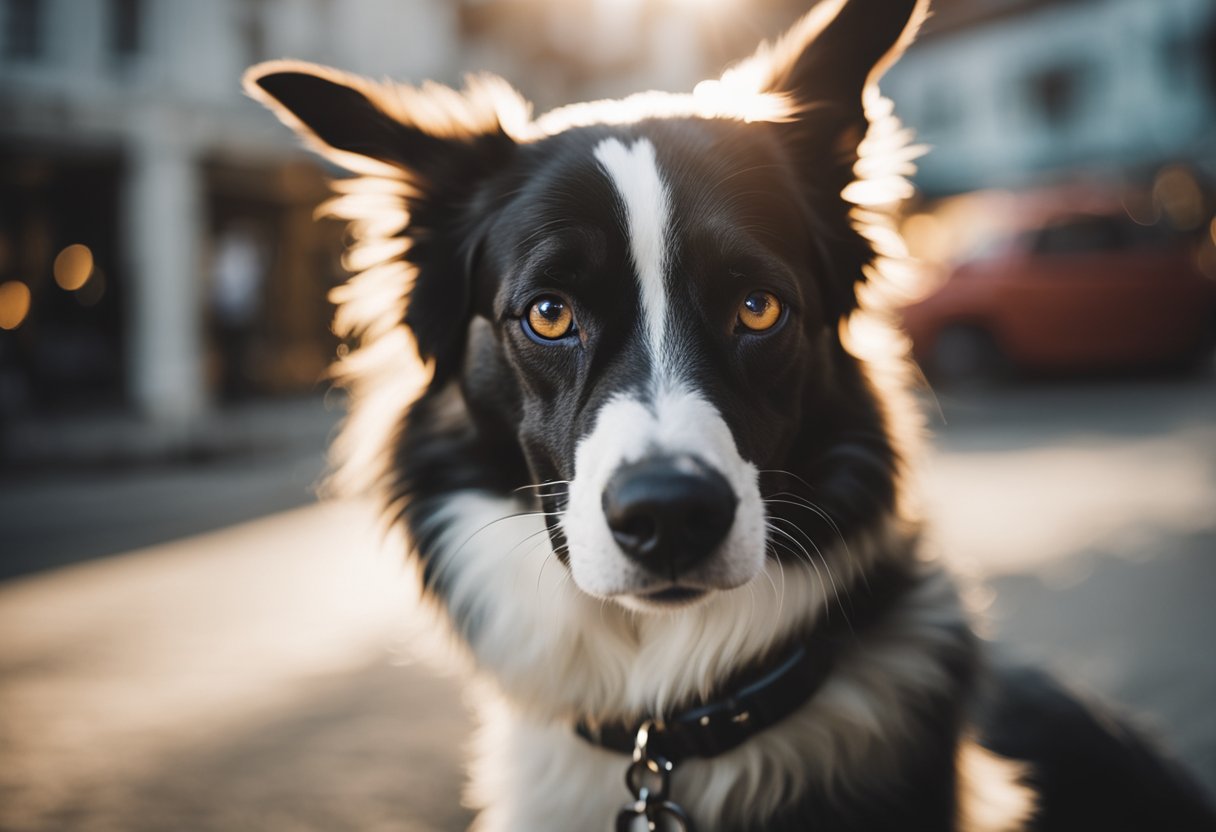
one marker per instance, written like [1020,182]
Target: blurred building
[1011,93]
[157,244]
[561,51]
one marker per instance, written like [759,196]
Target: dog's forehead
[698,185]
[696,158]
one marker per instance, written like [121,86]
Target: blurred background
[188,640]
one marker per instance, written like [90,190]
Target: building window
[23,28]
[1055,95]
[1207,48]
[126,27]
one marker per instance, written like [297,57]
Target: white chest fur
[550,653]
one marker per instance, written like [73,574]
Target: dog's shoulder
[1047,760]
[1090,766]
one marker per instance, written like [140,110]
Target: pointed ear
[335,113]
[363,125]
[824,71]
[445,144]
[825,63]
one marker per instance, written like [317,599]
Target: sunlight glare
[702,5]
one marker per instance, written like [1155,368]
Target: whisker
[771,549]
[831,577]
[525,540]
[810,506]
[786,473]
[552,554]
[778,596]
[565,581]
[478,531]
[803,561]
[827,566]
[823,587]
[540,485]
[781,598]
[751,597]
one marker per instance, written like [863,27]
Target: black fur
[495,221]
[923,793]
[1090,767]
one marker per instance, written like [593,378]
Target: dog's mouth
[671,597]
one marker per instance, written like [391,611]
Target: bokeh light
[73,267]
[1178,195]
[14,304]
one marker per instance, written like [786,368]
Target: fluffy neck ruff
[761,696]
[887,718]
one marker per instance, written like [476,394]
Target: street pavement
[268,674]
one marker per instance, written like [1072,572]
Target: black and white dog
[654,471]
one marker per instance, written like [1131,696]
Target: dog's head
[640,299]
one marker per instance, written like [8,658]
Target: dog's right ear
[441,142]
[354,121]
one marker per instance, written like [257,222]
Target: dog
[625,375]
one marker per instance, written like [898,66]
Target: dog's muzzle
[669,513]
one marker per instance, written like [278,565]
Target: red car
[1085,292]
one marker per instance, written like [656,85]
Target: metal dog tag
[647,779]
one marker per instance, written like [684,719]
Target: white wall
[175,103]
[1137,105]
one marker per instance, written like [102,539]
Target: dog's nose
[669,513]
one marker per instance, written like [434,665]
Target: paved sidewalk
[93,486]
[119,438]
[246,679]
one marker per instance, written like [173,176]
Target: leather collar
[761,696]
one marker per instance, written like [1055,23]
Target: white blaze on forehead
[634,172]
[671,419]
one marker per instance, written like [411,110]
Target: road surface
[267,676]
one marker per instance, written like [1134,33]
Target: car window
[1080,235]
[1087,234]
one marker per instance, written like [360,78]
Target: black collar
[763,695]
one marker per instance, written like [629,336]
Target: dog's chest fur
[891,707]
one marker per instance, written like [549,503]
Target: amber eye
[759,311]
[549,319]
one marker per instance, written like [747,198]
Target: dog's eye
[549,318]
[759,311]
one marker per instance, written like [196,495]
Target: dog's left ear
[826,68]
[444,144]
[830,56]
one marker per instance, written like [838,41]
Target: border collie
[624,375]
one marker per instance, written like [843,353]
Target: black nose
[669,513]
